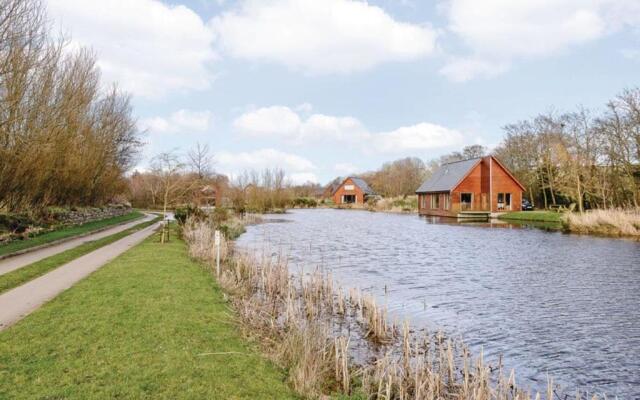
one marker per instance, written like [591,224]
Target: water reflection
[548,301]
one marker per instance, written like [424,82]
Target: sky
[326,88]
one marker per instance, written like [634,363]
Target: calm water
[547,301]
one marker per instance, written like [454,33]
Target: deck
[479,215]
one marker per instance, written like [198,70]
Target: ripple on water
[547,302]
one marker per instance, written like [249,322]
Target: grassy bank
[150,324]
[66,233]
[616,223]
[337,342]
[533,216]
[18,277]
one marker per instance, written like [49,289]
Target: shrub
[220,215]
[305,202]
[15,223]
[181,214]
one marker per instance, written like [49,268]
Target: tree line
[589,158]
[63,139]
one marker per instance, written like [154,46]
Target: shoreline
[383,343]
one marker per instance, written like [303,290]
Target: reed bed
[331,343]
[606,222]
[395,204]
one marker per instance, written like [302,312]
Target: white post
[217,243]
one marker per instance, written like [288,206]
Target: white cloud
[269,121]
[327,127]
[419,137]
[304,107]
[346,168]
[282,123]
[499,32]
[303,177]
[464,69]
[147,47]
[328,36]
[229,162]
[181,121]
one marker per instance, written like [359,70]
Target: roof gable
[506,170]
[359,182]
[448,176]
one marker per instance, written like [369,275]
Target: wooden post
[217,244]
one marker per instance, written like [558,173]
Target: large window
[504,201]
[447,201]
[435,201]
[423,201]
[348,199]
[466,201]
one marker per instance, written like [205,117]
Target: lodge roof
[359,182]
[447,177]
[364,186]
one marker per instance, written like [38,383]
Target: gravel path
[19,302]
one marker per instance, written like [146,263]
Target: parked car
[526,205]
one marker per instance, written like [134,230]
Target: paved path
[19,302]
[22,260]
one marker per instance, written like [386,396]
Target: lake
[548,302]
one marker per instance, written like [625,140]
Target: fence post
[217,244]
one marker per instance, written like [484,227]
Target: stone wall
[84,215]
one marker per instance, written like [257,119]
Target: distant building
[475,186]
[210,196]
[352,191]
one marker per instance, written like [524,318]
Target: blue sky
[324,88]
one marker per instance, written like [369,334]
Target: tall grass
[606,222]
[332,343]
[395,204]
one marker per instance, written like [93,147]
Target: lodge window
[447,201]
[435,201]
[466,201]
[423,201]
[348,199]
[504,201]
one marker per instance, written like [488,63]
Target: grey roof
[448,176]
[364,186]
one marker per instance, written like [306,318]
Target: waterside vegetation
[337,342]
[533,216]
[615,223]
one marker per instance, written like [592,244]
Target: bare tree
[63,140]
[201,161]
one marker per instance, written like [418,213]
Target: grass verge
[18,277]
[151,324]
[534,216]
[65,233]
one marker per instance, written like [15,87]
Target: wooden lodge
[471,188]
[352,191]
[209,196]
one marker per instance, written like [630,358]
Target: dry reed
[606,222]
[330,343]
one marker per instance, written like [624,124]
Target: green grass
[142,327]
[65,233]
[22,275]
[534,216]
